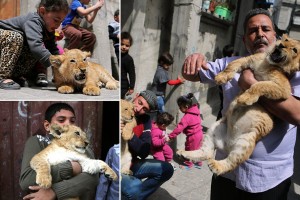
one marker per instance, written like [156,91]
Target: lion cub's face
[70,136]
[127,112]
[73,64]
[286,54]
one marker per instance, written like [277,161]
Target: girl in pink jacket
[160,148]
[190,125]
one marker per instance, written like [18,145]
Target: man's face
[62,117]
[141,106]
[259,34]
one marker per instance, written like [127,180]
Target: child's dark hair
[54,108]
[186,100]
[117,12]
[126,35]
[165,58]
[164,118]
[54,5]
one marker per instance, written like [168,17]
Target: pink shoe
[188,163]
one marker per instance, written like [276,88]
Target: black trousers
[224,189]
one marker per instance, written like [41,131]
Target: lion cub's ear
[284,37]
[87,53]
[57,60]
[56,130]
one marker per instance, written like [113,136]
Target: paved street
[50,94]
[194,183]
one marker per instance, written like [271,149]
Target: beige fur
[69,143]
[127,116]
[246,121]
[72,71]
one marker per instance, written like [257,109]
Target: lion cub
[246,121]
[69,143]
[73,72]
[127,117]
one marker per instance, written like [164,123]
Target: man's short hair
[254,12]
[151,99]
[54,108]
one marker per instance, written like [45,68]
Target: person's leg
[9,53]
[168,153]
[223,189]
[73,35]
[280,192]
[160,104]
[88,40]
[24,67]
[156,173]
[130,187]
[159,155]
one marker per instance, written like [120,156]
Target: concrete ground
[194,183]
[50,94]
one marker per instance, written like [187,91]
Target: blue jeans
[161,104]
[156,173]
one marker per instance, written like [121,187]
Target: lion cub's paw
[222,78]
[127,172]
[215,166]
[127,135]
[110,174]
[44,181]
[247,99]
[91,90]
[65,89]
[111,85]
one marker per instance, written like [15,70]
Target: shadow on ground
[161,194]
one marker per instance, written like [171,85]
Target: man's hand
[76,168]
[41,194]
[246,79]
[192,66]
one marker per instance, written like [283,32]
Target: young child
[160,149]
[40,71]
[190,125]
[33,40]
[161,79]
[114,32]
[71,25]
[127,66]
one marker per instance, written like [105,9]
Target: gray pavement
[194,183]
[50,94]
[186,184]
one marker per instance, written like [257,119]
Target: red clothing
[190,125]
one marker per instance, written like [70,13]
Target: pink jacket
[158,140]
[190,124]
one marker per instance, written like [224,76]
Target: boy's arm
[140,146]
[91,12]
[62,174]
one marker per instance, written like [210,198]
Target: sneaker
[198,163]
[174,167]
[188,164]
[41,80]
